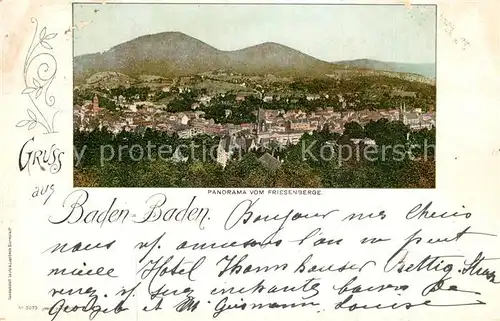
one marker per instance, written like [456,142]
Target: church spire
[258,120]
[95,102]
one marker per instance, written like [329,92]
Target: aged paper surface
[249,161]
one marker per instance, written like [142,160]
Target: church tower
[95,102]
[402,111]
[258,121]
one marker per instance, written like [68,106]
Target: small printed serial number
[28,307]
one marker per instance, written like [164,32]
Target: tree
[354,130]
[294,175]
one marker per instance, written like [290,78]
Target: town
[243,113]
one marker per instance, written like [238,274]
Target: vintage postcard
[230,101]
[249,161]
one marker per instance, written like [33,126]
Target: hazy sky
[328,32]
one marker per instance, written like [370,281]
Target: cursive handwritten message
[166,254]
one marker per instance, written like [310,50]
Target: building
[412,120]
[95,102]
[312,97]
[205,100]
[190,132]
[270,162]
[301,124]
[240,98]
[94,106]
[230,145]
[287,138]
[183,118]
[224,150]
[402,93]
[415,120]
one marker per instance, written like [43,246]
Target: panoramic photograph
[262,96]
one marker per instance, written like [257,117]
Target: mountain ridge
[425,69]
[174,53]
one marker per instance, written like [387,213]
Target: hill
[173,54]
[426,70]
[109,79]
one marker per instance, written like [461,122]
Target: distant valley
[426,70]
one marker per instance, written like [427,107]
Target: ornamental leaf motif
[50,36]
[23,123]
[46,45]
[38,92]
[28,90]
[31,114]
[42,33]
[40,68]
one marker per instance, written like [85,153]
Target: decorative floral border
[40,68]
